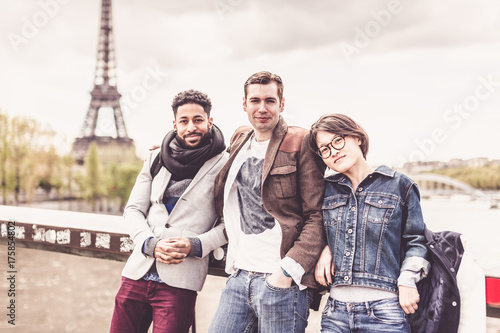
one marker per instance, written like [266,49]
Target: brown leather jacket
[292,192]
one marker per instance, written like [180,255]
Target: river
[479,223]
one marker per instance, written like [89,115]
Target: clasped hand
[172,250]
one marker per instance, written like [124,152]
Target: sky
[421,77]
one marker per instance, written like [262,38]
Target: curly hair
[192,96]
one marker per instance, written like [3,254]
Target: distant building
[477,162]
[422,166]
[426,166]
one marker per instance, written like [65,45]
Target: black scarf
[184,162]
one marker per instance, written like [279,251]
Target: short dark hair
[264,77]
[339,124]
[192,96]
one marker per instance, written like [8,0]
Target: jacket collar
[277,137]
[279,133]
[382,170]
[164,176]
[385,170]
[207,166]
[274,145]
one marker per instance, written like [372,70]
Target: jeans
[249,304]
[384,316]
[137,303]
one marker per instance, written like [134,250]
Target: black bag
[439,306]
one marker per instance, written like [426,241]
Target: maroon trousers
[137,303]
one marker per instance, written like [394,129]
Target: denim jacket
[376,232]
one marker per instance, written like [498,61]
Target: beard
[205,139]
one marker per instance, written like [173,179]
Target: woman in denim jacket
[376,249]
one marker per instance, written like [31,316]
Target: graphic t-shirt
[259,235]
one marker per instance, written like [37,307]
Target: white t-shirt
[257,244]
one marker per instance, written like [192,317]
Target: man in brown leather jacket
[270,194]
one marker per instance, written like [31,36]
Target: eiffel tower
[105,95]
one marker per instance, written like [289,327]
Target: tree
[486,177]
[67,174]
[4,156]
[26,139]
[121,180]
[51,170]
[30,161]
[94,189]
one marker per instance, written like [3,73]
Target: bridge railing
[85,234]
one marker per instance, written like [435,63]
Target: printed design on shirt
[254,219]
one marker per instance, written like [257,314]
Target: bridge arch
[449,185]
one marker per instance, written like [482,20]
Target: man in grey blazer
[172,220]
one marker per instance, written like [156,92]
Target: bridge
[434,184]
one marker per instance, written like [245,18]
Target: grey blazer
[193,216]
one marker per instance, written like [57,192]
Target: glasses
[338,142]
